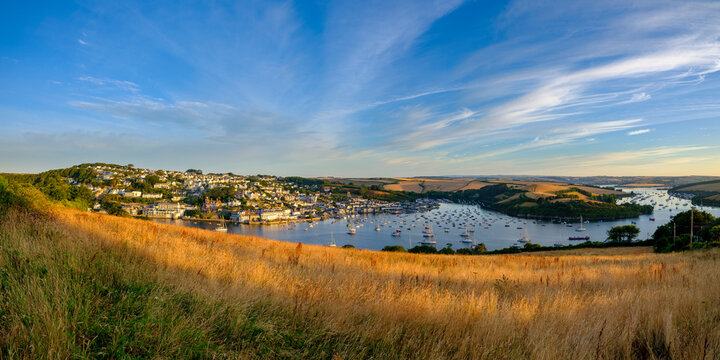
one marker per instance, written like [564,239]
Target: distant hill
[455,183]
[516,196]
[706,192]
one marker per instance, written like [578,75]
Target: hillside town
[260,199]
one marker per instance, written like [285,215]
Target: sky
[363,88]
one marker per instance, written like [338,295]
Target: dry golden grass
[590,304]
[474,185]
[411,186]
[703,187]
[420,185]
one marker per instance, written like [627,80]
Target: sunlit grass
[231,295]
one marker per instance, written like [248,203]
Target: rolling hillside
[706,192]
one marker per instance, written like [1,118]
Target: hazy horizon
[364,89]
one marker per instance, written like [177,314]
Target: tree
[447,250]
[672,236]
[423,249]
[480,248]
[623,233]
[394,248]
[152,180]
[714,234]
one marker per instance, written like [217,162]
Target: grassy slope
[76,284]
[707,192]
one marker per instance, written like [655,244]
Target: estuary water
[449,222]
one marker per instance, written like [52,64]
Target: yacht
[524,239]
[582,227]
[221,228]
[428,232]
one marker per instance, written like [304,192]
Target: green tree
[623,233]
[423,249]
[447,250]
[394,248]
[480,248]
[152,180]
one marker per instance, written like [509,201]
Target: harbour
[461,226]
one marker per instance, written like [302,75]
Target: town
[261,199]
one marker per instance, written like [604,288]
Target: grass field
[709,186]
[421,185]
[82,285]
[532,189]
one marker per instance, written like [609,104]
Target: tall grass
[77,284]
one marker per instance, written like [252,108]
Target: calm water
[496,236]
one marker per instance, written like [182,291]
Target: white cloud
[638,132]
[638,97]
[82,42]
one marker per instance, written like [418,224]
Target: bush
[446,251]
[394,248]
[423,249]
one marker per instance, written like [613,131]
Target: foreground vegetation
[77,284]
[676,234]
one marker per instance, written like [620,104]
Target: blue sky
[363,88]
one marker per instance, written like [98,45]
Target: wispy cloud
[638,97]
[638,132]
[630,157]
[119,84]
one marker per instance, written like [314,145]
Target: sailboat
[582,226]
[397,232]
[428,232]
[524,239]
[222,227]
[332,241]
[352,231]
[466,234]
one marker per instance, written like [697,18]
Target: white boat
[221,228]
[397,233]
[332,241]
[352,231]
[525,239]
[466,234]
[582,227]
